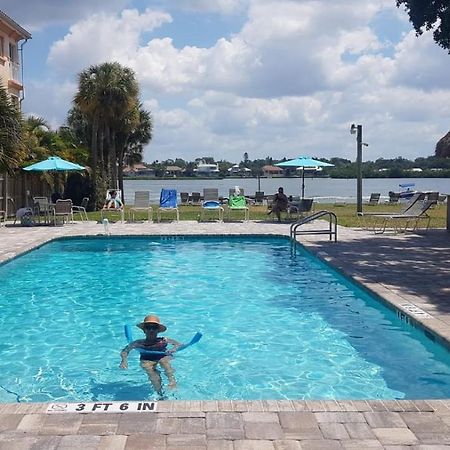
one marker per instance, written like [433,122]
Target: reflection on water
[324,190]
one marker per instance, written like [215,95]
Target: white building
[207,170]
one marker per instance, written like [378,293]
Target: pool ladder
[331,230]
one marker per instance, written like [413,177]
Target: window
[12,53]
[2,46]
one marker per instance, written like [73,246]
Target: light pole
[357,129]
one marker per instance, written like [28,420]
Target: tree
[12,150]
[430,15]
[107,95]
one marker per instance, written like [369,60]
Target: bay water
[323,190]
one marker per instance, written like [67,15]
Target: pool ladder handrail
[331,230]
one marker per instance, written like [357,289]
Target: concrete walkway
[410,271]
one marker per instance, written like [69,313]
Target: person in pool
[151,326]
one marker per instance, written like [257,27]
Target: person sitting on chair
[113,202]
[280,203]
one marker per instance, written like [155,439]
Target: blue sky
[267,77]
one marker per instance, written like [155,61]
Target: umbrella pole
[303,183]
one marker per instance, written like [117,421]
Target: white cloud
[209,6]
[290,81]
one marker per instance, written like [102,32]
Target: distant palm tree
[106,95]
[12,150]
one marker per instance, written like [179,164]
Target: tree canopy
[430,15]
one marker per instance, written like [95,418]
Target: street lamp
[357,129]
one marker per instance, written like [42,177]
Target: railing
[14,71]
[331,230]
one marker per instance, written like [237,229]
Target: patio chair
[141,203]
[300,207]
[184,198]
[113,204]
[168,203]
[238,203]
[211,202]
[235,191]
[259,197]
[374,199]
[62,209]
[195,198]
[414,215]
[81,209]
[41,208]
[394,197]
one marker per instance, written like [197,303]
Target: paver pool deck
[410,271]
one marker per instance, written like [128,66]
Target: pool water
[275,326]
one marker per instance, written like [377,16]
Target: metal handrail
[331,230]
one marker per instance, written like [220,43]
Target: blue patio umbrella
[304,162]
[53,164]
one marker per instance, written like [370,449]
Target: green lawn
[346,214]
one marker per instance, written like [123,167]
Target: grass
[346,214]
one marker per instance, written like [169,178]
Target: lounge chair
[62,209]
[168,203]
[195,198]
[211,202]
[184,198]
[81,209]
[416,213]
[238,203]
[113,204]
[418,196]
[235,191]
[141,203]
[374,199]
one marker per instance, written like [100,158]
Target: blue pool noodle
[129,336]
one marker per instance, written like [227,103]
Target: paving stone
[430,447]
[9,422]
[321,445]
[433,438]
[46,443]
[100,429]
[146,442]
[265,430]
[135,423]
[16,443]
[253,445]
[227,426]
[77,442]
[333,430]
[217,444]
[31,423]
[297,420]
[395,436]
[266,417]
[61,424]
[384,420]
[168,425]
[362,444]
[424,422]
[340,417]
[112,442]
[186,440]
[193,425]
[358,430]
[287,445]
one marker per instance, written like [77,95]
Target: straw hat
[153,320]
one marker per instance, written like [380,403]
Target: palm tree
[12,150]
[106,95]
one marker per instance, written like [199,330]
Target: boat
[408,190]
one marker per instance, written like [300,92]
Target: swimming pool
[275,326]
